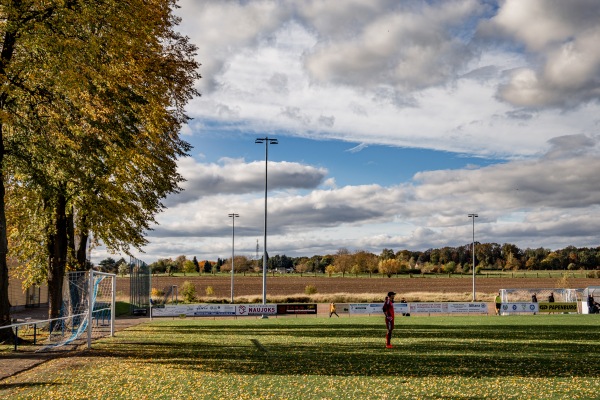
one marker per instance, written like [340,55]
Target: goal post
[542,294]
[87,312]
[525,300]
[98,296]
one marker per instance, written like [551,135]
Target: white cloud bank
[552,201]
[515,79]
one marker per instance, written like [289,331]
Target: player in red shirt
[388,310]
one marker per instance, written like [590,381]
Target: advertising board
[256,309]
[558,307]
[518,307]
[296,308]
[194,310]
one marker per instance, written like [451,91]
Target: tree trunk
[71,259]
[6,335]
[81,250]
[8,46]
[57,245]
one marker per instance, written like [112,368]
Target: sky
[395,120]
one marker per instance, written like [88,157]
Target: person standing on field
[498,303]
[388,311]
[332,310]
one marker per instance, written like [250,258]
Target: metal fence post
[90,311]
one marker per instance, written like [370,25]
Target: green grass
[534,357]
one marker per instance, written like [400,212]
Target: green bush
[310,289]
[209,291]
[188,291]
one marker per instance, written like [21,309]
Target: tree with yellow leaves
[90,111]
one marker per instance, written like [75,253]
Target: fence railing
[41,333]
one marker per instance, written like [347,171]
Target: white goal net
[541,295]
[88,310]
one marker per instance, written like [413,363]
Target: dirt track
[289,285]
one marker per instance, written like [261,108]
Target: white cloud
[562,41]
[406,48]
[266,86]
[520,81]
[222,27]
[546,202]
[232,176]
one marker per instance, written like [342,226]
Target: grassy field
[475,357]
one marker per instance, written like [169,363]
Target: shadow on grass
[21,385]
[358,350]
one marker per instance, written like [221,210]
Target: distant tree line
[488,256]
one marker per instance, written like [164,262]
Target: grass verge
[536,357]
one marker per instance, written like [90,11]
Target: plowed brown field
[287,285]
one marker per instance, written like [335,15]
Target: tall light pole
[266,141]
[473,250]
[232,215]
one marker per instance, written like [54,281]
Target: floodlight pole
[266,141]
[473,250]
[232,215]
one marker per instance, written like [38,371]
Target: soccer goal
[87,312]
[541,295]
[525,300]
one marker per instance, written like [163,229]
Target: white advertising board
[519,307]
[366,308]
[449,308]
[428,308]
[376,308]
[468,308]
[256,309]
[194,310]
[213,310]
[401,308]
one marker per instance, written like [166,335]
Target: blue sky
[350,163]
[395,120]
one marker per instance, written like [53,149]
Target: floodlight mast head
[266,139]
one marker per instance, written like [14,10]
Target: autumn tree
[241,264]
[180,263]
[188,267]
[365,261]
[91,108]
[512,262]
[387,254]
[389,266]
[18,53]
[343,261]
[303,266]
